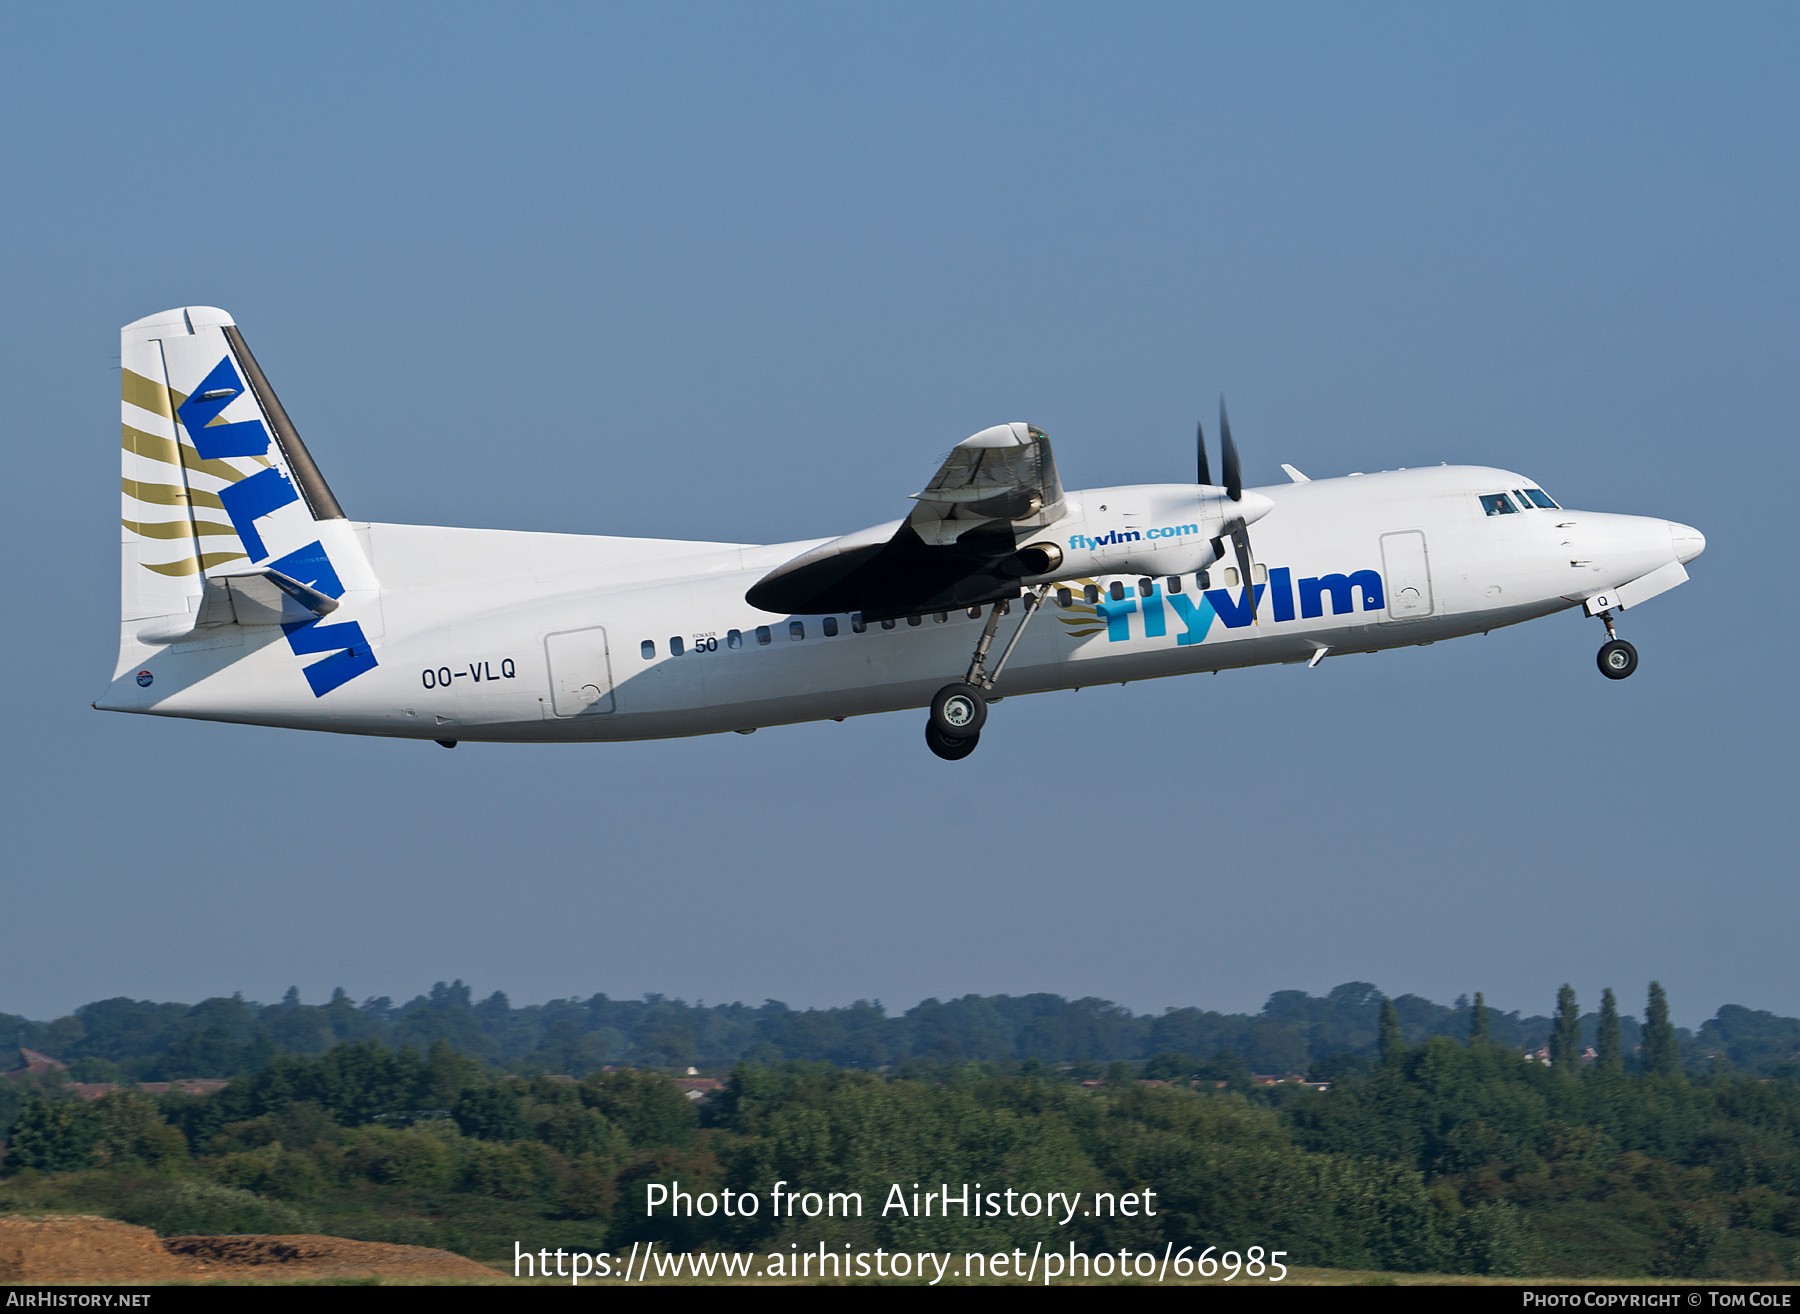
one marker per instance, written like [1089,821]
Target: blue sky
[649,270]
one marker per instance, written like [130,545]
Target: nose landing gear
[1617,658]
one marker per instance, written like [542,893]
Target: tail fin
[217,484]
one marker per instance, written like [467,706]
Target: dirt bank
[80,1249]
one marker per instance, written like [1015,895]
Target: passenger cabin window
[889,624]
[974,613]
[1203,580]
[915,620]
[796,630]
[676,646]
[856,623]
[1260,573]
[762,635]
[1174,583]
[1091,594]
[1064,598]
[1146,587]
[1498,504]
[648,648]
[1539,498]
[1231,577]
[734,638]
[1117,590]
[830,626]
[940,616]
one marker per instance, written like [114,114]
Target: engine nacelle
[1033,559]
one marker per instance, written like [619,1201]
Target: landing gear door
[1406,571]
[580,672]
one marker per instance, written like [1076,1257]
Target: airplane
[249,596]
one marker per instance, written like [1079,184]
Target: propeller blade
[1200,453]
[1234,478]
[1240,539]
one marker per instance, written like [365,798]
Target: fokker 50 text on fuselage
[249,596]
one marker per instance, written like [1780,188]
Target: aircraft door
[580,672]
[1406,572]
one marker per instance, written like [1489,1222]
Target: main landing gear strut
[1617,658]
[958,711]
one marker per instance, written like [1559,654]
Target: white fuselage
[509,636]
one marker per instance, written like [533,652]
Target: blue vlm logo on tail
[249,500]
[1197,613]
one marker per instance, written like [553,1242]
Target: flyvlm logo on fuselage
[1233,609]
[1081,541]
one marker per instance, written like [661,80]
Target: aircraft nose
[1687,541]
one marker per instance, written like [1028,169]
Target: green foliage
[1608,1051]
[13,1095]
[1168,1067]
[136,1040]
[1690,1247]
[53,1136]
[1444,1156]
[645,1107]
[1228,1068]
[1479,1030]
[123,1129]
[1660,1051]
[1494,1238]
[1753,1039]
[1565,1040]
[195,1207]
[1391,1044]
[490,1112]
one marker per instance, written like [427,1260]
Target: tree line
[1448,1154]
[135,1040]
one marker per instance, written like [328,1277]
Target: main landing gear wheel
[1617,659]
[958,712]
[951,750]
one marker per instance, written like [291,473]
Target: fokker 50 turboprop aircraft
[248,596]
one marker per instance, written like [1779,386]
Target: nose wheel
[1617,658]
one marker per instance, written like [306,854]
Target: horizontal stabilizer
[252,597]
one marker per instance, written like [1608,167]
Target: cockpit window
[1498,504]
[1541,499]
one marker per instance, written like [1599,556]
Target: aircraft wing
[958,548]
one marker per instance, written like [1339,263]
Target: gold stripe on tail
[148,394]
[170,495]
[190,566]
[169,452]
[177,528]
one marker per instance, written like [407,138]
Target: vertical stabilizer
[216,484]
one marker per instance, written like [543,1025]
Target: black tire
[951,750]
[958,711]
[1617,659]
